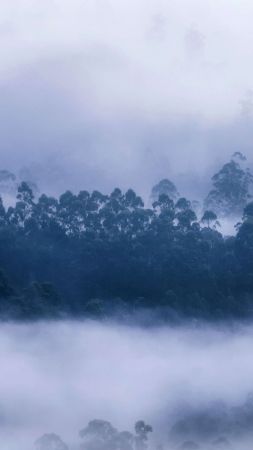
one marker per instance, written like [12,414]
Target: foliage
[96,255]
[50,442]
[166,187]
[101,435]
[231,189]
[209,218]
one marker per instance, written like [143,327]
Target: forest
[96,255]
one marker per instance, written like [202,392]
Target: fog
[97,93]
[57,376]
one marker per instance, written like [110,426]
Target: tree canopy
[231,189]
[91,254]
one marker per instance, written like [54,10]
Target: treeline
[101,435]
[93,255]
[212,425]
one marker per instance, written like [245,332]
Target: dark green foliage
[248,212]
[209,218]
[5,288]
[95,255]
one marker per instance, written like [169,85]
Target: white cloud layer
[154,57]
[58,376]
[118,91]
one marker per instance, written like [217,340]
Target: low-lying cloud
[55,377]
[98,93]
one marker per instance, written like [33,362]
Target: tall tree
[231,189]
[50,442]
[164,186]
[210,219]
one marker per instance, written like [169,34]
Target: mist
[102,94]
[57,376]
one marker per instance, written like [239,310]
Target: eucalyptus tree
[164,186]
[50,442]
[231,190]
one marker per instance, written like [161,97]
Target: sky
[103,93]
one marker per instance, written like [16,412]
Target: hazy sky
[98,93]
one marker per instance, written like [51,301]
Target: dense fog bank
[56,377]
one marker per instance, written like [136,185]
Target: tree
[239,156]
[25,193]
[24,206]
[5,288]
[7,182]
[164,186]
[50,442]
[142,430]
[231,190]
[184,214]
[186,218]
[244,240]
[40,299]
[98,435]
[209,218]
[132,200]
[45,212]
[2,213]
[68,213]
[165,204]
[248,213]
[182,204]
[101,435]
